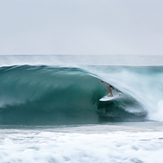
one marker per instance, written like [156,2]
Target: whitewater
[50,110]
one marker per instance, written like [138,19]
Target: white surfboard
[106,98]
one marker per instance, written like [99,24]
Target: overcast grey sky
[81,27]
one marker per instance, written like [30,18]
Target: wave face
[46,95]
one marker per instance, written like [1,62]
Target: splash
[144,84]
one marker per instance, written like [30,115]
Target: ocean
[50,110]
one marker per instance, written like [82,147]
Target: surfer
[110,87]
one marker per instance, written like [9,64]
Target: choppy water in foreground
[114,142]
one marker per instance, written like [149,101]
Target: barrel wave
[46,95]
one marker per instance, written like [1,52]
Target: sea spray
[143,83]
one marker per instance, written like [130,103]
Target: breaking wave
[47,95]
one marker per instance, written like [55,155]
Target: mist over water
[78,60]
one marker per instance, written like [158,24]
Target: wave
[47,95]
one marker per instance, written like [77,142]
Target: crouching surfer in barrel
[110,87]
